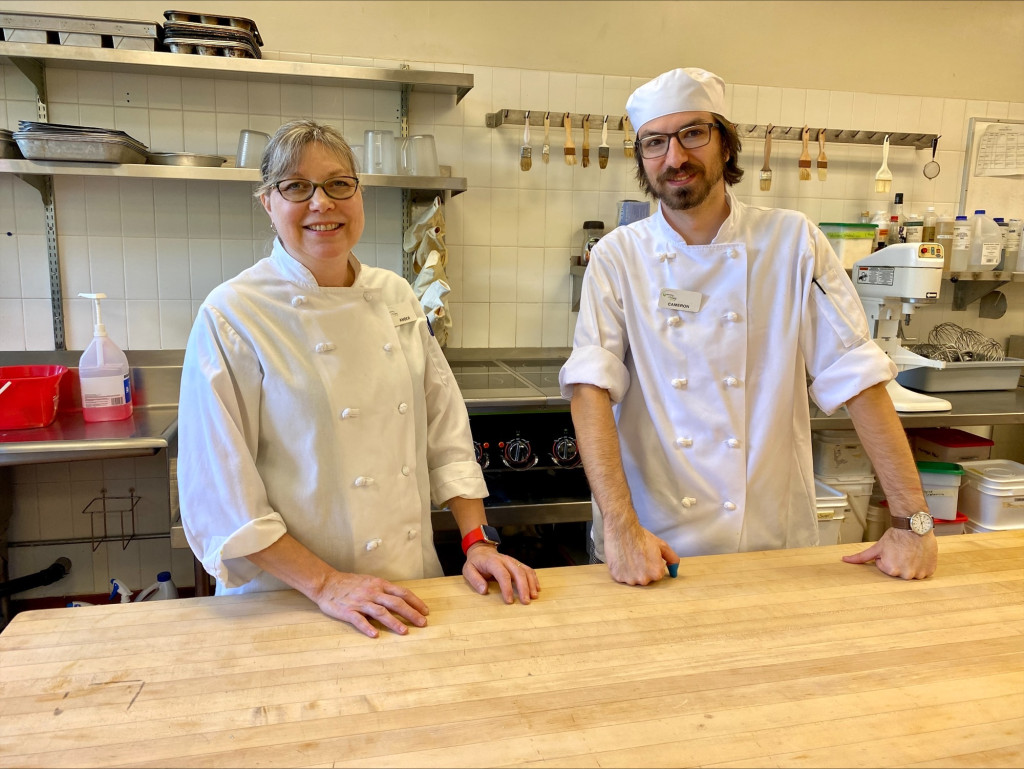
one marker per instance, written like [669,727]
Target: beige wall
[860,45]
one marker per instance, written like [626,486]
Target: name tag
[401,315]
[679,299]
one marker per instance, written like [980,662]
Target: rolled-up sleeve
[224,508]
[600,340]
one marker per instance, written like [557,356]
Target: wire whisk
[955,344]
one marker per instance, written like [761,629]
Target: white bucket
[833,509]
[877,521]
[858,493]
[941,484]
[839,452]
[993,493]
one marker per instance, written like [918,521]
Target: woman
[318,416]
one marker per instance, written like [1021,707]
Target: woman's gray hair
[285,148]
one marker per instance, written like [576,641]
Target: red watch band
[480,534]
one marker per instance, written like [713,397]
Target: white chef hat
[687,89]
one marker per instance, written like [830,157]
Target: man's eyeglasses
[301,190]
[689,137]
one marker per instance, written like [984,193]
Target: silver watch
[920,523]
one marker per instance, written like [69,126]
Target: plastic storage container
[161,590]
[839,452]
[858,493]
[946,528]
[832,506]
[851,241]
[104,374]
[947,444]
[941,482]
[961,254]
[992,494]
[986,242]
[877,520]
[29,396]
[944,237]
[929,222]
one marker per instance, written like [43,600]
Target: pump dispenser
[120,589]
[104,375]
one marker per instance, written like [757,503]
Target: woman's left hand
[483,561]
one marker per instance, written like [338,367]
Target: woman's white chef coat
[330,413]
[704,350]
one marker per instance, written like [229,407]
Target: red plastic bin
[30,398]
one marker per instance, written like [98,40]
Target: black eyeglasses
[301,190]
[689,137]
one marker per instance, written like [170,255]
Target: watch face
[491,535]
[921,523]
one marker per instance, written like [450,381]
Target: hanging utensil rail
[517,117]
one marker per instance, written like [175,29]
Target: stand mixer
[893,282]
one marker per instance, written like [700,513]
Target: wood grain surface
[767,659]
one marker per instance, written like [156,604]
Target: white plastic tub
[993,493]
[839,452]
[947,528]
[833,508]
[858,493]
[941,483]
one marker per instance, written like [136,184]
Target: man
[698,328]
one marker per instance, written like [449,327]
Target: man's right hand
[358,598]
[634,555]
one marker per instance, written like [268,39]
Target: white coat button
[729,506]
[349,413]
[688,501]
[387,347]
[297,300]
[367,296]
[373,544]
[406,470]
[732,253]
[363,480]
[412,533]
[324,347]
[675,320]
[402,408]
[731,316]
[684,443]
[730,381]
[679,383]
[732,443]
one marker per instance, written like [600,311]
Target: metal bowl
[185,159]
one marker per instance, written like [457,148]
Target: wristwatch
[920,523]
[483,533]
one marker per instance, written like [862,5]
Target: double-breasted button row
[689,502]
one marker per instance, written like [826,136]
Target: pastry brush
[603,150]
[586,141]
[883,179]
[569,149]
[822,158]
[805,157]
[766,171]
[545,152]
[627,139]
[526,151]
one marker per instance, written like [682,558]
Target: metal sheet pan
[185,159]
[90,24]
[238,22]
[80,149]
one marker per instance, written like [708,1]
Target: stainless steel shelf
[452,184]
[919,141]
[272,70]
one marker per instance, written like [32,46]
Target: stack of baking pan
[87,31]
[211,35]
[8,147]
[53,141]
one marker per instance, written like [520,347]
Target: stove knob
[518,454]
[564,452]
[482,457]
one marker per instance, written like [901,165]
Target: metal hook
[768,130]
[547,115]
[527,118]
[606,119]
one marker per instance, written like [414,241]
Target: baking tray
[238,22]
[212,48]
[185,159]
[964,377]
[90,24]
[89,150]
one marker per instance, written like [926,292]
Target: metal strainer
[931,168]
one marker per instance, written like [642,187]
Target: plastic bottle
[961,254]
[881,220]
[103,372]
[930,223]
[893,236]
[120,589]
[161,590]
[1004,229]
[986,240]
[913,229]
[944,237]
[896,209]
[1013,239]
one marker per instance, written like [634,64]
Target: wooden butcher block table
[785,658]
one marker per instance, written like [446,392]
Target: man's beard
[695,193]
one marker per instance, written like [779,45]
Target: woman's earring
[273,227]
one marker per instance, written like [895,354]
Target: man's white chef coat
[327,412]
[704,350]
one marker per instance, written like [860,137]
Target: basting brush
[822,158]
[883,179]
[569,149]
[805,157]
[766,171]
[627,139]
[526,151]
[545,152]
[603,150]
[586,141]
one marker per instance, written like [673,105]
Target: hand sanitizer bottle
[103,373]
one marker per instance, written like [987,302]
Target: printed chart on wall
[994,168]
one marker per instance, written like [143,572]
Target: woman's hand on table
[358,598]
[483,562]
[901,554]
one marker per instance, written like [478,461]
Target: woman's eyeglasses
[301,190]
[689,137]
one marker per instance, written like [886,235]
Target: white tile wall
[156,247]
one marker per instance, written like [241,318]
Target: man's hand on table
[634,555]
[900,553]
